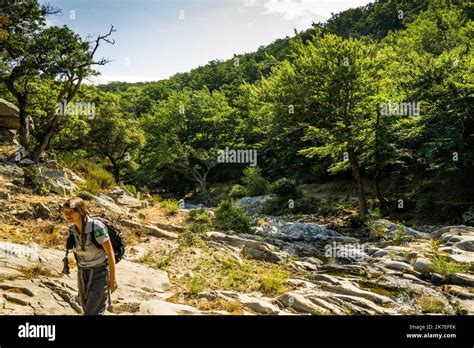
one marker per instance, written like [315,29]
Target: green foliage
[230,217]
[237,191]
[447,267]
[91,185]
[285,188]
[85,195]
[400,237]
[196,284]
[272,282]
[171,207]
[200,221]
[255,184]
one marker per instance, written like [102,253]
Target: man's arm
[107,245]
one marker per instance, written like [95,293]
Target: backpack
[115,235]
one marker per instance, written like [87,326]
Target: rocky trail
[288,266]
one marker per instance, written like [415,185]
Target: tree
[116,139]
[338,75]
[33,53]
[185,132]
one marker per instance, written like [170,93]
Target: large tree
[32,54]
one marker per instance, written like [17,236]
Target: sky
[156,39]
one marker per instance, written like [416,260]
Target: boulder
[301,231]
[149,229]
[41,210]
[390,228]
[22,214]
[9,115]
[11,170]
[56,180]
[109,205]
[462,279]
[468,217]
[17,154]
[252,205]
[423,266]
[129,201]
[7,136]
[262,251]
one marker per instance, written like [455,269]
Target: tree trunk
[24,130]
[42,146]
[360,186]
[378,192]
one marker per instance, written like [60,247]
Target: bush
[447,267]
[237,191]
[90,170]
[130,188]
[285,188]
[91,185]
[85,195]
[255,184]
[196,284]
[400,237]
[103,178]
[171,207]
[271,282]
[201,221]
[230,217]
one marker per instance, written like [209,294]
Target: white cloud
[307,11]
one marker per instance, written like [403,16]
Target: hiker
[95,257]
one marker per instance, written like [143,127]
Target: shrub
[255,184]
[230,217]
[400,237]
[447,267]
[171,207]
[130,188]
[237,191]
[430,304]
[196,284]
[285,188]
[90,185]
[103,178]
[85,195]
[271,282]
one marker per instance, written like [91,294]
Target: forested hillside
[380,94]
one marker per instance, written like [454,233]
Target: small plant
[34,272]
[230,217]
[150,261]
[377,230]
[435,244]
[285,188]
[91,186]
[400,237]
[191,237]
[271,282]
[130,188]
[255,184]
[237,191]
[429,304]
[171,207]
[196,284]
[85,195]
[446,267]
